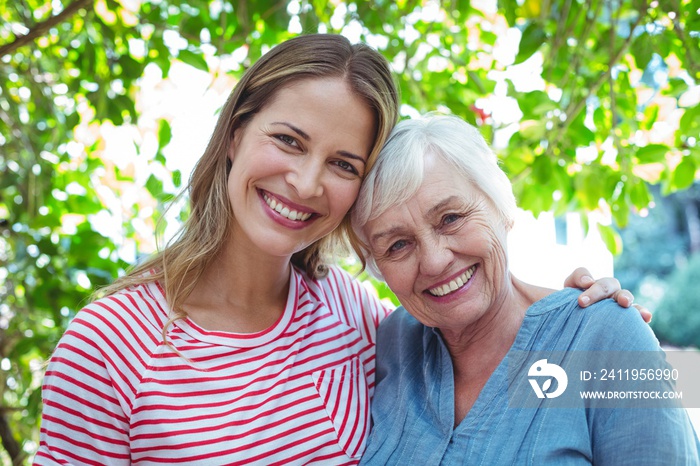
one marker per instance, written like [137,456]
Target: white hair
[398,172]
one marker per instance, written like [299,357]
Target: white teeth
[454,285]
[286,211]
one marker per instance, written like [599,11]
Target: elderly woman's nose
[435,256]
[305,177]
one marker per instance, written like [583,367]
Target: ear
[232,143]
[509,224]
[230,151]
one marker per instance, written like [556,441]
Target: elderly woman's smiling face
[443,252]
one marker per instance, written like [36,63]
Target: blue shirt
[413,405]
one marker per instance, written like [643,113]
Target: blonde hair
[180,264]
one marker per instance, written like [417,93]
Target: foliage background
[613,113]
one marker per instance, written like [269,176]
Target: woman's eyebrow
[350,155]
[299,131]
[443,204]
[385,233]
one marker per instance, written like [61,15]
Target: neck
[240,291]
[477,350]
[495,331]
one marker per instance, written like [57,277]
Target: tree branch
[24,11]
[41,28]
[580,49]
[270,11]
[8,441]
[562,32]
[15,130]
[611,83]
[678,28]
[593,88]
[572,110]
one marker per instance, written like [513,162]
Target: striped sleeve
[90,383]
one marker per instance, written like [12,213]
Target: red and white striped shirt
[297,393]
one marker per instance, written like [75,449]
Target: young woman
[236,343]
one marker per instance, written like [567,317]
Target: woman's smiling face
[297,165]
[443,251]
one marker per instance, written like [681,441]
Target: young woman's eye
[347,166]
[286,139]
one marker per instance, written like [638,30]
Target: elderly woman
[435,213]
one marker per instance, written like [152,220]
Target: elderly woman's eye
[450,218]
[397,246]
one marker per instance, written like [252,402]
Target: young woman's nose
[306,177]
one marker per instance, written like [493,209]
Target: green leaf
[510,8]
[639,195]
[585,224]
[517,159]
[642,49]
[542,169]
[161,57]
[620,211]
[34,402]
[154,186]
[195,60]
[531,8]
[125,105]
[590,189]
[684,174]
[165,133]
[579,134]
[533,129]
[533,37]
[535,104]
[488,37]
[676,87]
[611,238]
[651,113]
[600,119]
[652,153]
[690,121]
